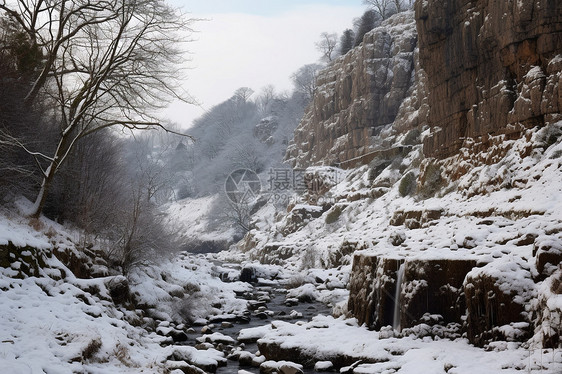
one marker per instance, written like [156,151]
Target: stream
[266,304]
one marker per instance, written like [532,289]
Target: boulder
[118,288]
[429,286]
[496,299]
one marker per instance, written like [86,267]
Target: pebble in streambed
[264,305]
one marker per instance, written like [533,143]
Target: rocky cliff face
[464,237]
[493,67]
[357,95]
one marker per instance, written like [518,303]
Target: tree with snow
[304,80]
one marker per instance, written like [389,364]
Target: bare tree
[266,98]
[327,45]
[243,94]
[386,8]
[106,63]
[304,80]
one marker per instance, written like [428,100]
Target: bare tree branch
[107,63]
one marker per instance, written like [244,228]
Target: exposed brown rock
[372,286]
[429,286]
[493,67]
[357,95]
[496,298]
[434,286]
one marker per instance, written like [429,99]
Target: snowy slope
[53,322]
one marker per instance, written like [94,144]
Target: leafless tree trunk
[327,45]
[107,63]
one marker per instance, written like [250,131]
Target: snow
[327,338]
[190,218]
[52,324]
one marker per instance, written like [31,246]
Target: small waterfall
[396,317]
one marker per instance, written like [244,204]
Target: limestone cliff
[357,95]
[493,67]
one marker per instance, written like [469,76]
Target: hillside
[414,227]
[447,206]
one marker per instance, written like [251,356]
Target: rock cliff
[493,67]
[357,95]
[458,235]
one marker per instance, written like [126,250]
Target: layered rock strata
[493,67]
[357,95]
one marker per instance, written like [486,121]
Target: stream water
[272,302]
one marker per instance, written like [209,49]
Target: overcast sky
[253,43]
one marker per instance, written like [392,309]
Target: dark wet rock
[184,367]
[277,352]
[496,296]
[282,367]
[428,286]
[248,275]
[178,336]
[118,288]
[262,315]
[246,359]
[292,302]
[254,304]
[434,287]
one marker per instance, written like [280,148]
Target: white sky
[253,43]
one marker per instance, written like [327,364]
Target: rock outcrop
[427,286]
[357,95]
[493,68]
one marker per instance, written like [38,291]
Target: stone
[492,68]
[548,255]
[323,366]
[433,286]
[118,288]
[281,367]
[357,95]
[496,296]
[183,367]
[248,275]
[246,359]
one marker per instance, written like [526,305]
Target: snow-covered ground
[191,220]
[53,322]
[326,338]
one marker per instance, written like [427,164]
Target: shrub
[91,349]
[334,214]
[431,180]
[407,184]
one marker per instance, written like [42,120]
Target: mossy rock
[407,184]
[334,214]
